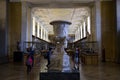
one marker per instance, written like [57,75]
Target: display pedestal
[89,58]
[59,76]
[18,56]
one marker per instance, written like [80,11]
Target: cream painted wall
[3,31]
[14,14]
[108,29]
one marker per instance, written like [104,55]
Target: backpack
[29,61]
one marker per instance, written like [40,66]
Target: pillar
[118,29]
[38,27]
[3,31]
[33,26]
[98,25]
[24,26]
[92,36]
[41,32]
[108,29]
[29,25]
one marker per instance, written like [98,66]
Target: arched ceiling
[74,15]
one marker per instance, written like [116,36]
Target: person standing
[48,57]
[29,62]
[30,59]
[32,51]
[76,59]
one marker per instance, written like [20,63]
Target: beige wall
[118,29]
[3,31]
[108,26]
[14,25]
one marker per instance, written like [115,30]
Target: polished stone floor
[17,71]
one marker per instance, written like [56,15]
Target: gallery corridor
[17,71]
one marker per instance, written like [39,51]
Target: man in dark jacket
[48,56]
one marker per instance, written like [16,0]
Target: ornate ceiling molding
[74,15]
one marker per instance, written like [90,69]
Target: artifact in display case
[88,47]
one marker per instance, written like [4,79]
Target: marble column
[24,26]
[92,24]
[26,29]
[118,30]
[29,25]
[38,27]
[3,31]
[59,59]
[33,26]
[98,25]
[41,32]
